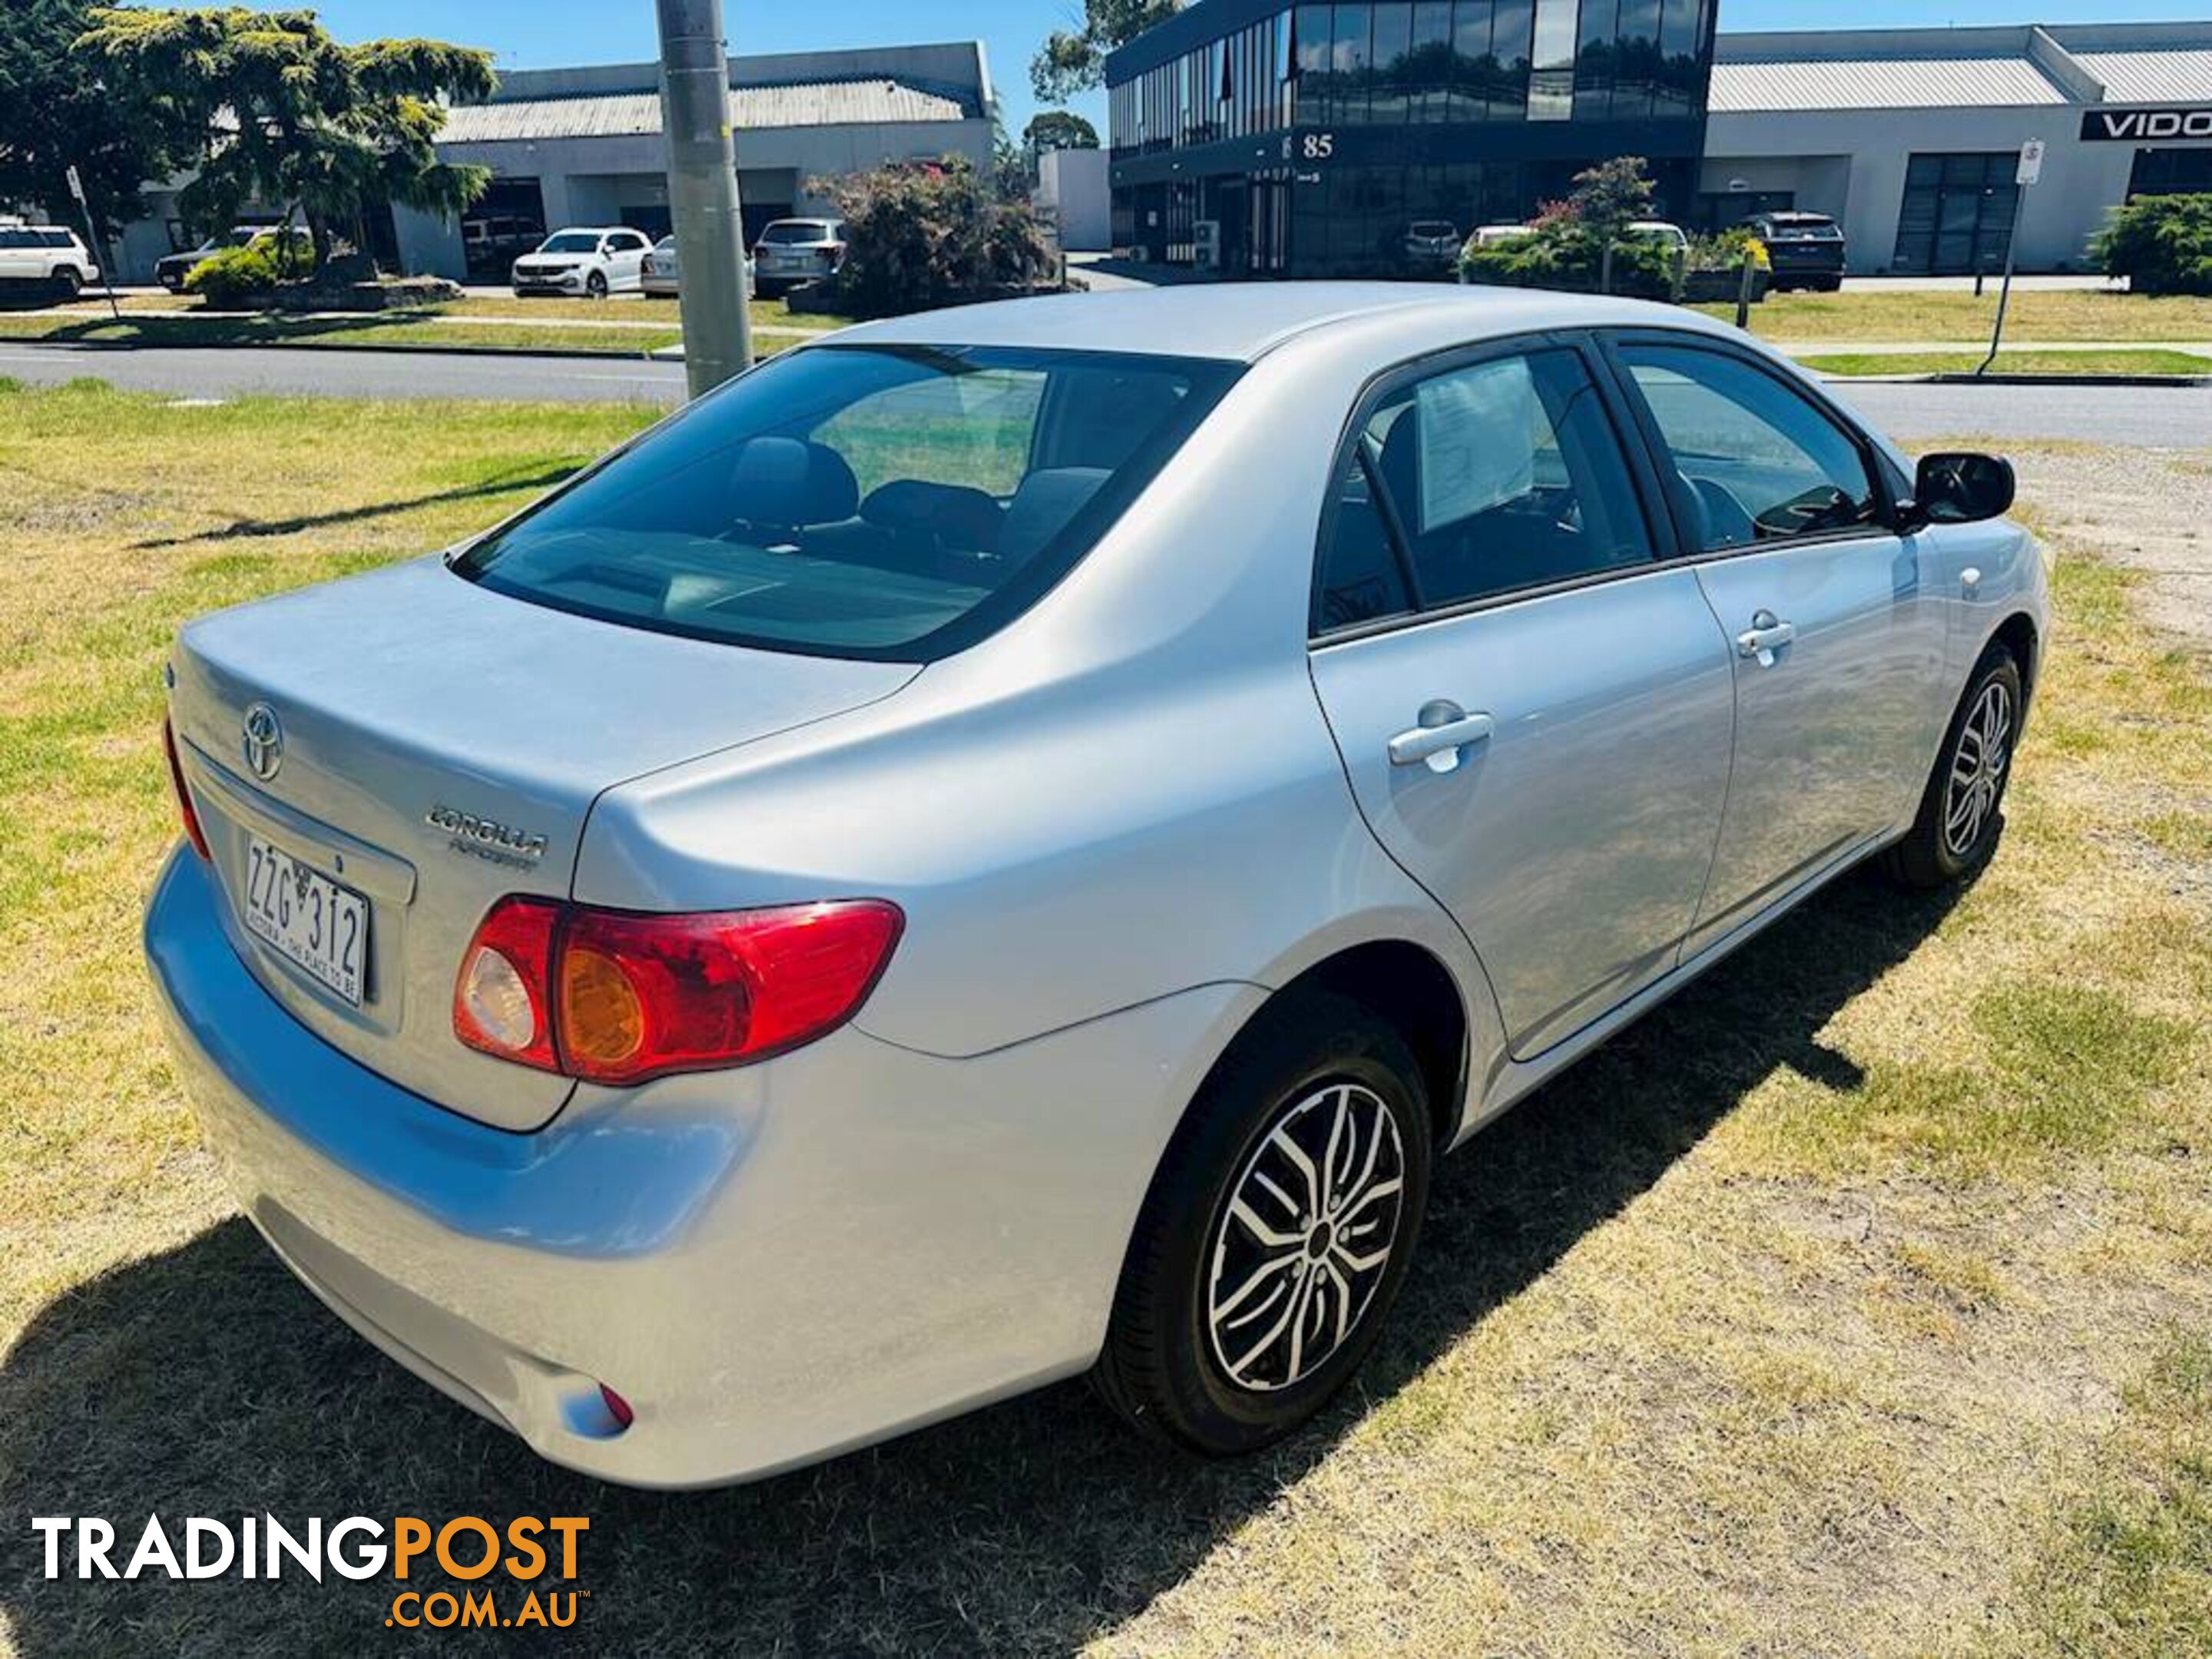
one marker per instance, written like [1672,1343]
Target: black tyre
[595,285]
[1277,1232]
[1961,811]
[71,280]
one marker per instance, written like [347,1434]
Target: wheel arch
[1408,987]
[2016,633]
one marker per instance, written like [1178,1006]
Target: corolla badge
[486,838]
[263,746]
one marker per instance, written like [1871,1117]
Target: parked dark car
[171,270]
[1807,249]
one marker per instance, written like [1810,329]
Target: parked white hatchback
[44,253]
[591,261]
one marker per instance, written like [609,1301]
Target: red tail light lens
[500,1003]
[186,810]
[632,996]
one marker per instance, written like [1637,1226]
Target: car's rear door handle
[1765,637]
[1445,728]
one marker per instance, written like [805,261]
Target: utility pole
[702,193]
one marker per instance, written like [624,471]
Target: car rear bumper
[771,1265]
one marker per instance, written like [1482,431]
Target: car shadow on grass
[205,1381]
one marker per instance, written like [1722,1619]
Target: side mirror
[1960,487]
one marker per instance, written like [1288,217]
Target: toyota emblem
[263,746]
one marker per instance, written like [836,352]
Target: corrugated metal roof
[1809,83]
[620,114]
[2178,76]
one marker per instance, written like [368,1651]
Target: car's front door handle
[1765,637]
[1445,728]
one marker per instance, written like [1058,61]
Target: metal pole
[2004,290]
[95,243]
[1744,280]
[702,193]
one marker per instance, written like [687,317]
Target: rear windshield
[796,230]
[892,503]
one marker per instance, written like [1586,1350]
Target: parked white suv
[596,261]
[44,253]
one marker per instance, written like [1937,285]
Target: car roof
[1244,321]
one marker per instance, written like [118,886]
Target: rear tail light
[618,997]
[186,810]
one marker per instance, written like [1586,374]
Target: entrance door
[1957,214]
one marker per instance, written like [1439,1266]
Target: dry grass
[1854,1303]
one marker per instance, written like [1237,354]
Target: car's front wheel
[595,285]
[1277,1231]
[1961,810]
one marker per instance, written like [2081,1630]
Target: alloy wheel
[1977,768]
[1305,1237]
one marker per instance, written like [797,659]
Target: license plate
[308,919]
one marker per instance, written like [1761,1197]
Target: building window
[2171,172]
[1551,75]
[1957,213]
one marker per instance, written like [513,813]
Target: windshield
[796,230]
[571,241]
[890,503]
[1433,228]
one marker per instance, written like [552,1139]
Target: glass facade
[1308,140]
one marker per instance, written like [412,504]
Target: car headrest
[953,515]
[1041,509]
[1400,464]
[789,482]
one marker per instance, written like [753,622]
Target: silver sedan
[965,858]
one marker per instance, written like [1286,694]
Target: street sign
[77,185]
[2031,162]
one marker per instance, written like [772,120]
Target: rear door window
[1494,476]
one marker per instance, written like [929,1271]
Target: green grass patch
[1861,364]
[2130,1571]
[2034,314]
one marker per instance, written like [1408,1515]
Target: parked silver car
[661,276]
[960,860]
[791,251]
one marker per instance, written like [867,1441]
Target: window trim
[1880,472]
[1629,440]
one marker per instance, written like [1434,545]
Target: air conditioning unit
[1206,240]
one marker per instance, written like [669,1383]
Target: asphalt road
[2152,417]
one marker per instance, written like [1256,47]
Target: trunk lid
[441,746]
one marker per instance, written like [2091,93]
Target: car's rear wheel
[595,285]
[71,279]
[1961,811]
[1277,1232]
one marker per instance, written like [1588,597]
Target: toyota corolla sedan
[1005,844]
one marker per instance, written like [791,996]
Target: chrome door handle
[1445,728]
[1765,637]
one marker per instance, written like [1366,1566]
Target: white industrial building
[584,146]
[1911,138]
